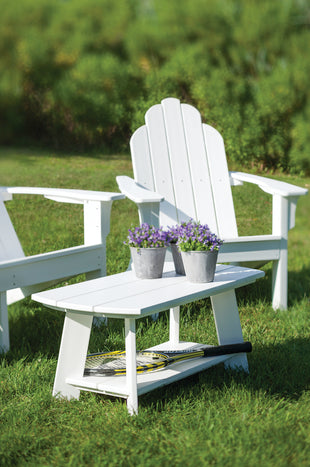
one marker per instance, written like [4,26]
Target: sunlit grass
[215,418]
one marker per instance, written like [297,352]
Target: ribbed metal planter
[177,259]
[199,265]
[148,263]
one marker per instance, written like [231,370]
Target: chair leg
[280,225]
[280,282]
[4,324]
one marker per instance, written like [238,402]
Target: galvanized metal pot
[148,263]
[199,265]
[177,259]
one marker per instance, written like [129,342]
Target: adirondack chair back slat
[221,189]
[10,247]
[141,158]
[161,163]
[199,167]
[184,160]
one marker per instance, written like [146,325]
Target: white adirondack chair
[180,172]
[20,276]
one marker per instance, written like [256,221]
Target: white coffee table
[125,296]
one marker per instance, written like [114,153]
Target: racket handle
[228,349]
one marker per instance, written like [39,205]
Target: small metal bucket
[200,265]
[148,263]
[177,259]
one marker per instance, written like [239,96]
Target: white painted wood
[96,229]
[15,295]
[148,202]
[222,196]
[62,194]
[262,248]
[136,192]
[116,386]
[21,276]
[234,181]
[72,354]
[10,247]
[124,296]
[65,294]
[178,161]
[149,213]
[4,196]
[96,221]
[38,269]
[228,327]
[160,162]
[141,162]
[178,157]
[174,327]
[199,168]
[292,211]
[280,226]
[4,324]
[273,187]
[131,372]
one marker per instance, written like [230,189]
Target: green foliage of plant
[92,101]
[82,73]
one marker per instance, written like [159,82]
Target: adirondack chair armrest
[147,201]
[136,192]
[285,197]
[96,205]
[63,195]
[271,186]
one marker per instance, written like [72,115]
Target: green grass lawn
[215,418]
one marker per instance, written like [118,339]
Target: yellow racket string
[95,360]
[116,361]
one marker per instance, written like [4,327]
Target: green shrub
[11,121]
[300,160]
[94,98]
[83,72]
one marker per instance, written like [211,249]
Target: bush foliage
[82,73]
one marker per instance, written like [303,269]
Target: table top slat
[125,295]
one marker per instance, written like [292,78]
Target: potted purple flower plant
[199,249]
[148,246]
[174,233]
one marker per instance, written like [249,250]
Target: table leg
[131,370]
[174,326]
[72,353]
[228,327]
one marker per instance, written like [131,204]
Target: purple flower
[176,231]
[147,236]
[193,236]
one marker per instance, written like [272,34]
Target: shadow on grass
[281,370]
[34,330]
[37,330]
[298,287]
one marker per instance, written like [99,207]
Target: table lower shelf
[146,382]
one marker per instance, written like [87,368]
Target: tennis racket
[114,363]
